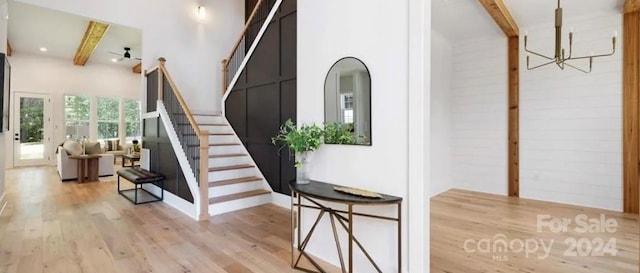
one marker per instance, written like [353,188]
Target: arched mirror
[347,103]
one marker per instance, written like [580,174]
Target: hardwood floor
[49,226]
[461,216]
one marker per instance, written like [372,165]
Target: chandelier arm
[538,66]
[593,56]
[577,68]
[538,54]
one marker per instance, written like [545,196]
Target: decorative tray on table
[358,192]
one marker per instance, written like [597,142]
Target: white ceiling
[31,28]
[460,20]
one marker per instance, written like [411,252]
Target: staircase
[220,172]
[234,180]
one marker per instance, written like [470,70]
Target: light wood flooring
[458,216]
[49,226]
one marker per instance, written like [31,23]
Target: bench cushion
[138,175]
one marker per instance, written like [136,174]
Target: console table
[314,192]
[87,165]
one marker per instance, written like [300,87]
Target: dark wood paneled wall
[265,95]
[152,91]
[163,159]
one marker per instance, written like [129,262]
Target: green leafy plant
[339,133]
[299,140]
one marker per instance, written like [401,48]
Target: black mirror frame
[326,77]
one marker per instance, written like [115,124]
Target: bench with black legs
[139,177]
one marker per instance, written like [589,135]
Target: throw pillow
[92,148]
[72,147]
[112,145]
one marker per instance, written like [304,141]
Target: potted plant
[301,142]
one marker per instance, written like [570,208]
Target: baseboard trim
[174,201]
[281,200]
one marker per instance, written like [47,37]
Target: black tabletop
[325,191]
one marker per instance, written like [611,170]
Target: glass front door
[31,132]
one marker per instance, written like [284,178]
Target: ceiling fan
[125,55]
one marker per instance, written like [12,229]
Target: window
[76,113]
[108,114]
[132,110]
[347,107]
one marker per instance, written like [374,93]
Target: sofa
[68,168]
[115,148]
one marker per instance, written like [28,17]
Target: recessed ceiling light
[114,60]
[43,49]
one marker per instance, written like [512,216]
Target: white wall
[571,122]
[479,115]
[59,77]
[441,79]
[3,49]
[171,29]
[355,29]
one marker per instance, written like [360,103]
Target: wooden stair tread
[222,156]
[227,155]
[196,114]
[231,167]
[216,144]
[207,115]
[212,124]
[210,134]
[234,181]
[224,144]
[237,196]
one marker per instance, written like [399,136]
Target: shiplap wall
[440,145]
[479,115]
[570,122]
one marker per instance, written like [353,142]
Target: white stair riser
[235,188]
[228,161]
[210,119]
[225,150]
[217,129]
[223,139]
[239,204]
[232,174]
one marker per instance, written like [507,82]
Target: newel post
[161,70]
[203,184]
[225,75]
